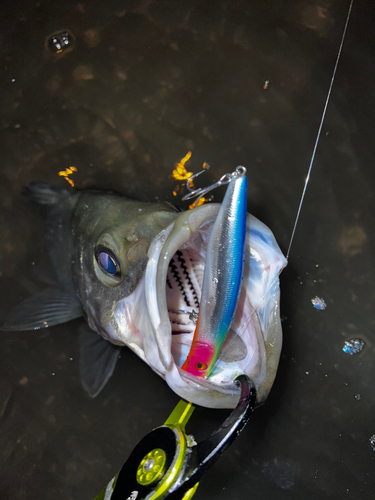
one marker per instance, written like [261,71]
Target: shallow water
[144,83]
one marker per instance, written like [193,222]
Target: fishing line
[319,130]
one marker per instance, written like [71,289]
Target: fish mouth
[173,287]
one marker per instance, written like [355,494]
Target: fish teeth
[173,277]
[184,289]
[189,292]
[180,322]
[181,279]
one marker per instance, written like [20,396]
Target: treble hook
[206,166]
[225,179]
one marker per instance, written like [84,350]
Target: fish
[222,278]
[134,272]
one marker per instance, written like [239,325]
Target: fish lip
[229,388]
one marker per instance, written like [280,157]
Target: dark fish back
[58,205]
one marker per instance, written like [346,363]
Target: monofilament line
[320,129]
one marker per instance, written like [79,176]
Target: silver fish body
[148,303]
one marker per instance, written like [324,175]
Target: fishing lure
[222,275]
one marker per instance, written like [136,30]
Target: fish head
[151,304]
[112,236]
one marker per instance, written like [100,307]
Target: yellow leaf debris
[65,173]
[180,173]
[198,203]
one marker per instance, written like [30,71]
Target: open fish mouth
[166,304]
[173,290]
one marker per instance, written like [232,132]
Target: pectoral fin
[47,308]
[98,359]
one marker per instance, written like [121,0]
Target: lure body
[222,278]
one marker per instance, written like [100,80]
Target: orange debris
[198,203]
[180,173]
[65,173]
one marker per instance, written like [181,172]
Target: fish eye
[107,261]
[201,366]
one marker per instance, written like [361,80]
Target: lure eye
[201,366]
[107,262]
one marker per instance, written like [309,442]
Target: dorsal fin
[43,193]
